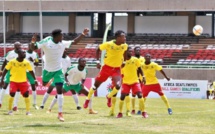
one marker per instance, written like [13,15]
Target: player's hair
[19,51]
[129,48]
[147,54]
[56,32]
[118,33]
[80,59]
[136,48]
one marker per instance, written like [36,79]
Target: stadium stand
[166,49]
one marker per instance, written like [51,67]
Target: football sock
[113,92]
[10,103]
[133,103]
[121,105]
[27,103]
[45,97]
[60,102]
[127,102]
[113,100]
[16,99]
[75,97]
[91,92]
[165,100]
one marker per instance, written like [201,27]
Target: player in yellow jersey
[137,54]
[130,71]
[210,91]
[18,78]
[151,82]
[113,60]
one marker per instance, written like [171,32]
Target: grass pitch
[190,116]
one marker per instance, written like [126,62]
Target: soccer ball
[197,30]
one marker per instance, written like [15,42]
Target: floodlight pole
[4,27]
[41,26]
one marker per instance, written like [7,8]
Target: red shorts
[135,88]
[146,89]
[108,71]
[22,87]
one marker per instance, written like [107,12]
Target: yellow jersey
[18,70]
[214,85]
[149,72]
[129,71]
[114,53]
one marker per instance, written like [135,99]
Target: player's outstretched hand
[34,38]
[98,65]
[31,59]
[168,78]
[86,31]
[144,80]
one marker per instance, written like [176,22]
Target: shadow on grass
[42,125]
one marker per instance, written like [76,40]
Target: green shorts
[30,78]
[7,77]
[57,75]
[77,88]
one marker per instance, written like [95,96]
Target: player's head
[137,51]
[120,36]
[57,35]
[82,62]
[147,57]
[129,52]
[17,46]
[21,53]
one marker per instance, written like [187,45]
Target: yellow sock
[27,103]
[127,101]
[133,103]
[141,104]
[113,92]
[113,101]
[121,105]
[164,98]
[10,103]
[91,92]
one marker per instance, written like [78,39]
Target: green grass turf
[190,116]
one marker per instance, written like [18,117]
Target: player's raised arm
[164,75]
[97,57]
[33,41]
[84,33]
